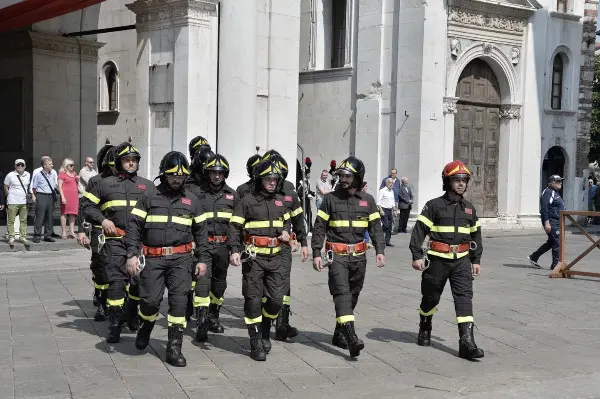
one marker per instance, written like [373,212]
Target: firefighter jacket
[450,222]
[344,218]
[292,202]
[84,202]
[550,206]
[166,218]
[114,197]
[258,214]
[244,189]
[217,207]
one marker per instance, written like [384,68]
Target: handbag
[29,201]
[54,195]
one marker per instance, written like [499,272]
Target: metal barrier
[563,269]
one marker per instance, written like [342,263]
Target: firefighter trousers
[286,264]
[262,277]
[99,275]
[346,279]
[172,272]
[434,278]
[114,258]
[211,287]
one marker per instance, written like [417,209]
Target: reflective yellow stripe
[323,215]
[259,224]
[339,223]
[430,313]
[101,286]
[360,223]
[474,228]
[199,219]
[269,315]
[277,223]
[345,319]
[176,320]
[135,298]
[286,216]
[266,251]
[425,221]
[442,229]
[464,230]
[208,215]
[264,299]
[287,300]
[193,284]
[139,212]
[215,300]
[180,220]
[297,212]
[448,255]
[253,321]
[115,302]
[224,215]
[157,219]
[374,216]
[464,319]
[237,219]
[116,204]
[149,318]
[201,301]
[92,197]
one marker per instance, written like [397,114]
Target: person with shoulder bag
[43,186]
[16,186]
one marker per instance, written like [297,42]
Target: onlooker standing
[405,200]
[365,189]
[590,192]
[2,198]
[43,186]
[323,187]
[388,207]
[15,188]
[396,189]
[43,159]
[69,200]
[85,174]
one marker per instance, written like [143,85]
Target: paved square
[541,336]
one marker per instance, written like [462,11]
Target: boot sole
[172,363]
[424,343]
[355,352]
[342,346]
[141,347]
[202,339]
[259,358]
[467,357]
[217,330]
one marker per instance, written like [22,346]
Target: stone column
[449,109]
[509,164]
[237,85]
[176,76]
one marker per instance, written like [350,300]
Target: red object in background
[308,162]
[333,163]
[23,13]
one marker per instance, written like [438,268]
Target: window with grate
[557,82]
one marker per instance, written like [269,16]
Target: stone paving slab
[541,336]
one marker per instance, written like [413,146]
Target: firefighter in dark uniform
[217,201]
[283,329]
[196,144]
[453,252]
[168,224]
[88,234]
[111,202]
[343,218]
[246,188]
[258,229]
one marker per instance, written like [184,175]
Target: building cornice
[41,43]
[158,14]
[489,15]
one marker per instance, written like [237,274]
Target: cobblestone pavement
[541,336]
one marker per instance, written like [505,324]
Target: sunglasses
[20,164]
[70,166]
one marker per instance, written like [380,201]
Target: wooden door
[476,134]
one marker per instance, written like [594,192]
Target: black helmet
[126,150]
[278,160]
[174,163]
[266,168]
[217,162]
[101,154]
[251,163]
[354,166]
[200,158]
[270,154]
[108,162]
[196,144]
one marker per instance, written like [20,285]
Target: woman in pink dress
[69,197]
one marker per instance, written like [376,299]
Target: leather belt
[346,249]
[262,242]
[119,232]
[448,248]
[166,251]
[217,239]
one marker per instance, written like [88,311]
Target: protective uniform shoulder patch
[468,211]
[186,201]
[142,186]
[229,197]
[363,203]
[288,198]
[278,203]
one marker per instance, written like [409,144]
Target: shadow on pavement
[407,337]
[520,266]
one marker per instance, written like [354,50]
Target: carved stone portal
[449,106]
[511,111]
[515,55]
[455,47]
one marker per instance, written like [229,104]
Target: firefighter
[343,218]
[453,252]
[196,144]
[99,277]
[169,225]
[217,201]
[110,205]
[283,329]
[246,188]
[260,219]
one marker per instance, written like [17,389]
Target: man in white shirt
[16,185]
[323,187]
[85,174]
[43,160]
[388,207]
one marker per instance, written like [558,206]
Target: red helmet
[454,169]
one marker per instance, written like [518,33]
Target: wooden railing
[563,269]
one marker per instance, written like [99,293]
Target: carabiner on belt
[248,254]
[141,262]
[327,257]
[426,260]
[101,241]
[87,229]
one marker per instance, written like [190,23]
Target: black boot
[143,335]
[467,347]
[214,324]
[354,344]
[114,329]
[338,338]
[266,333]
[257,352]
[101,309]
[174,355]
[189,308]
[283,330]
[96,297]
[202,323]
[424,338]
[133,319]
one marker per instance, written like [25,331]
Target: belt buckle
[351,249]
[166,251]
[453,249]
[272,242]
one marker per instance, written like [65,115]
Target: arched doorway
[554,164]
[476,134]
